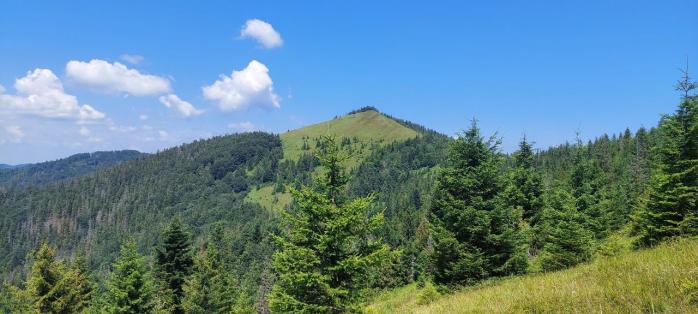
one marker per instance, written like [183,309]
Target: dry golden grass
[657,280]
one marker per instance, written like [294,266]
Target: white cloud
[242,89]
[84,131]
[262,32]
[182,107]
[41,93]
[116,77]
[132,59]
[11,133]
[245,126]
[143,117]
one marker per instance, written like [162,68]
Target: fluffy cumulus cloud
[116,77]
[41,93]
[251,86]
[182,107]
[262,32]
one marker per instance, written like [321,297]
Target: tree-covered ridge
[62,169]
[203,182]
[453,211]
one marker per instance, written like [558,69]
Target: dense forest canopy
[452,211]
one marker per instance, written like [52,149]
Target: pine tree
[587,183]
[565,241]
[76,288]
[670,204]
[210,288]
[524,189]
[475,234]
[131,288]
[43,283]
[327,248]
[174,261]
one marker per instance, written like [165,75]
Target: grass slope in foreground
[663,279]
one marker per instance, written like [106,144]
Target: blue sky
[542,68]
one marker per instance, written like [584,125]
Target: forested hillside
[62,169]
[319,219]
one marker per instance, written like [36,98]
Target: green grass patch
[658,280]
[368,127]
[267,198]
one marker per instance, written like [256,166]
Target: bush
[428,294]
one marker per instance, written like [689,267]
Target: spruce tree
[587,183]
[670,204]
[76,288]
[174,261]
[131,288]
[210,288]
[565,240]
[476,235]
[524,190]
[327,247]
[42,284]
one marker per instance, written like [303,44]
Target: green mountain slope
[361,133]
[658,280]
[63,169]
[368,127]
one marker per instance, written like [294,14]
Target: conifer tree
[587,184]
[210,288]
[565,240]
[43,285]
[327,248]
[670,204]
[131,287]
[174,261]
[524,188]
[76,288]
[475,234]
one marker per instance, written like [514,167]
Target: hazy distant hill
[62,169]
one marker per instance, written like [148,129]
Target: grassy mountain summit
[361,132]
[365,127]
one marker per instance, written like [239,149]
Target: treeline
[430,209]
[53,171]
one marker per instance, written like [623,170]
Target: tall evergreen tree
[76,288]
[565,240]
[43,283]
[210,288]
[130,288]
[670,205]
[475,234]
[524,189]
[327,248]
[587,182]
[174,261]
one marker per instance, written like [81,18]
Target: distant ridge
[62,169]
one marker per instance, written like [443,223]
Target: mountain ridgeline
[44,173]
[438,209]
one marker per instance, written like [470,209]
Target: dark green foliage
[670,205]
[561,230]
[131,287]
[211,288]
[327,248]
[63,169]
[50,286]
[524,189]
[174,261]
[475,234]
[138,198]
